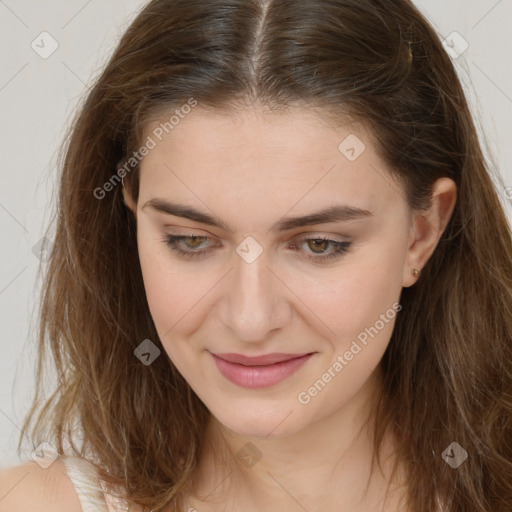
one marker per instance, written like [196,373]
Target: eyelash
[172,241]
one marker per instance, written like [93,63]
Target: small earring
[415,272]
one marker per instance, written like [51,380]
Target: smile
[250,374]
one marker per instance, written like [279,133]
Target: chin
[260,424]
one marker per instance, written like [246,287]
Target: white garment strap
[85,480]
[94,494]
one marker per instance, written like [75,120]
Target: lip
[264,359]
[260,371]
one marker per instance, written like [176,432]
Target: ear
[128,201]
[427,228]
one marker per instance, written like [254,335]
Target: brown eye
[191,249]
[319,243]
[319,248]
[196,241]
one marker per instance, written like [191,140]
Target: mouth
[259,371]
[262,360]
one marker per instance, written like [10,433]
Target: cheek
[352,296]
[170,292]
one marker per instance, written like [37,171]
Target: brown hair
[448,367]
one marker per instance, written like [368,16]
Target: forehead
[299,133]
[265,158]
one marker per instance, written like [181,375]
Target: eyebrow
[336,213]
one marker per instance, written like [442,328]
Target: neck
[299,470]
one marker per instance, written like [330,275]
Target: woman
[282,275]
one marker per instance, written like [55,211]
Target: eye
[189,252]
[189,247]
[322,243]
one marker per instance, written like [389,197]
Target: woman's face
[261,282]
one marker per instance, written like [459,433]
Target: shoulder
[30,487]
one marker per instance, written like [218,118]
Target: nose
[254,301]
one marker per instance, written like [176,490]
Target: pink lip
[258,360]
[260,371]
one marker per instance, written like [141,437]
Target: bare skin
[251,171]
[271,484]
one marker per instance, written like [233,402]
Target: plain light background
[39,95]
